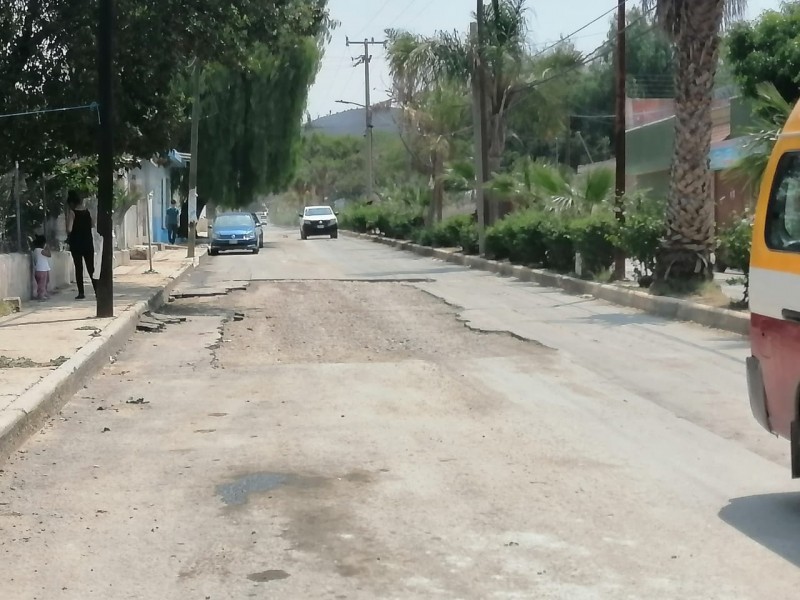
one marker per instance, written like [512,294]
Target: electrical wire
[574,33]
[596,54]
[375,16]
[93,106]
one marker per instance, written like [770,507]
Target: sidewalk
[50,348]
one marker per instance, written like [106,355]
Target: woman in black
[80,239]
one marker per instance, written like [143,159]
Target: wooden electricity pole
[619,133]
[194,142]
[489,210]
[105,183]
[477,121]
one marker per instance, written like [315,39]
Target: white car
[318,220]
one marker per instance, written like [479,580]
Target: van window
[783,214]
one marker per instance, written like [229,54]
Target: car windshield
[234,221]
[322,211]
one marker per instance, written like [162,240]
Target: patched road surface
[335,419]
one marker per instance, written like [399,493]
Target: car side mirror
[336,213]
[299,214]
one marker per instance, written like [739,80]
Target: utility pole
[105,161]
[477,120]
[619,133]
[192,209]
[365,60]
[17,207]
[483,150]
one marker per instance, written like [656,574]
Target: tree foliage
[252,121]
[569,116]
[49,61]
[767,50]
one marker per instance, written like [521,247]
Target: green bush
[456,232]
[358,217]
[559,244]
[640,238]
[391,219]
[423,237]
[733,246]
[593,237]
[520,238]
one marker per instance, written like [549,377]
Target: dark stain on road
[237,492]
[271,575]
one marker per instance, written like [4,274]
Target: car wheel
[213,252]
[255,250]
[303,236]
[335,235]
[261,242]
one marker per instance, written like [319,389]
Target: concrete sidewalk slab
[50,348]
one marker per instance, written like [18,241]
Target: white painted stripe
[772,291]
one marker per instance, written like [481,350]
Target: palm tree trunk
[438,187]
[497,144]
[686,249]
[431,218]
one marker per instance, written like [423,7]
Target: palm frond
[461,172]
[770,114]
[548,180]
[668,12]
[598,186]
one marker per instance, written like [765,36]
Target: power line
[599,52]
[93,106]
[582,28]
[405,10]
[375,16]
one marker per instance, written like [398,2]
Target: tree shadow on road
[772,520]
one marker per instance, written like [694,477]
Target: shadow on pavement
[772,520]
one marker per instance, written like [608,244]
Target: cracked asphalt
[336,419]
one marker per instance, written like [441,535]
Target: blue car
[235,231]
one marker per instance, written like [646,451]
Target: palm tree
[418,63]
[694,26]
[429,125]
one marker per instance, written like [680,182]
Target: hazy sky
[548,19]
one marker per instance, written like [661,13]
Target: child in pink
[41,266]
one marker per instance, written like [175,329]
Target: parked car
[263,216]
[318,220]
[235,231]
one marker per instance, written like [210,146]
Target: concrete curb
[668,308]
[44,399]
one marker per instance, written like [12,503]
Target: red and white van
[773,370]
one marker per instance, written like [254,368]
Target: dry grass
[706,292]
[6,308]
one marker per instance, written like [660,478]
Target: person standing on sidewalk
[41,266]
[80,239]
[173,217]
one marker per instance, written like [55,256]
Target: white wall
[16,274]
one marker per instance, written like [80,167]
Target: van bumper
[758,396]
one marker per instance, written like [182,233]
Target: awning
[178,159]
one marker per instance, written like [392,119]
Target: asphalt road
[363,423]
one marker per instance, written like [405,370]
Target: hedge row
[549,240]
[392,220]
[543,239]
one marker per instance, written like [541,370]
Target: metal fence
[27,209]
